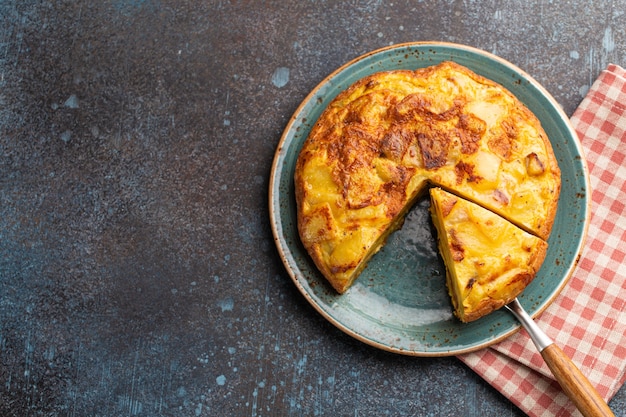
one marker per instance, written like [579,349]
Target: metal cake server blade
[575,385]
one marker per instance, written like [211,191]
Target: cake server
[575,385]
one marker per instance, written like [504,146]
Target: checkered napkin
[588,319]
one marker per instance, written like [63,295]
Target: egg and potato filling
[390,136]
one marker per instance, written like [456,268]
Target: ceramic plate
[399,303]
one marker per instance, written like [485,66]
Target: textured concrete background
[138,275]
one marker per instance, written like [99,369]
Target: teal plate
[399,303]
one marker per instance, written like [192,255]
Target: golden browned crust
[519,282]
[378,144]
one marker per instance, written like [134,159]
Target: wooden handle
[575,384]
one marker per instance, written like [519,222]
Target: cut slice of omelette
[489,260]
[382,141]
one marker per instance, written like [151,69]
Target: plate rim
[281,149]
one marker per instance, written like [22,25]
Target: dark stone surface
[138,274]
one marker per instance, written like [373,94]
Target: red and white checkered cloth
[588,319]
